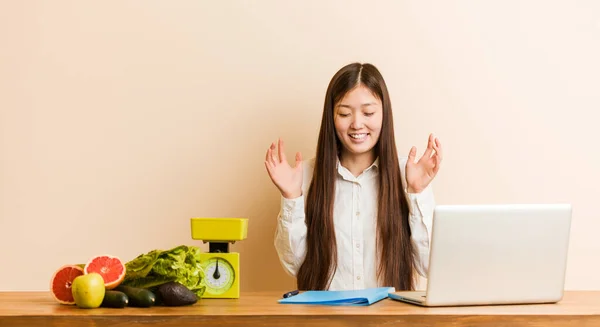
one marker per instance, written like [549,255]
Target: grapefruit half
[109,267]
[60,284]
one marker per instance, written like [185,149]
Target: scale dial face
[219,275]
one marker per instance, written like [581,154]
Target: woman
[356,216]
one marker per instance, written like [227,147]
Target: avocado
[176,294]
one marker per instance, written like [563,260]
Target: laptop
[495,254]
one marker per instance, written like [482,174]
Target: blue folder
[357,297]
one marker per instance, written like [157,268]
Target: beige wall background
[120,120]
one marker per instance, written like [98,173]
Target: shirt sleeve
[290,231]
[290,234]
[420,219]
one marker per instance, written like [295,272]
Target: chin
[362,149]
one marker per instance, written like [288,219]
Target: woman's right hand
[287,179]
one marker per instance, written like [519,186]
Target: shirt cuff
[415,203]
[292,209]
[421,207]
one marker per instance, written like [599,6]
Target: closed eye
[368,114]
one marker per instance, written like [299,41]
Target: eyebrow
[363,105]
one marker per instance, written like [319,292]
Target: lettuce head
[180,264]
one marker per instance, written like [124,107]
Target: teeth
[358,136]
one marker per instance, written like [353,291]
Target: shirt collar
[346,174]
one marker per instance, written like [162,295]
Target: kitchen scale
[221,267]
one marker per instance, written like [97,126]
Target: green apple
[88,290]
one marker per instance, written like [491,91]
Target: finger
[268,155]
[281,151]
[271,159]
[412,154]
[436,164]
[438,149]
[429,149]
[269,168]
[298,160]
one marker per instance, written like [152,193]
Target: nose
[357,122]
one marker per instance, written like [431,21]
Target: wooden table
[262,309]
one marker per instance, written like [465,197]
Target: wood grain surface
[578,308]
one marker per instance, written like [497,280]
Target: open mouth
[358,136]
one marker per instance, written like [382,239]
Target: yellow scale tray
[219,229]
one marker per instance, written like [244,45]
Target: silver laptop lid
[484,254]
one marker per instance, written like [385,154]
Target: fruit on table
[175,294]
[109,267]
[88,290]
[138,297]
[114,299]
[105,281]
[61,283]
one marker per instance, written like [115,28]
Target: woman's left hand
[419,174]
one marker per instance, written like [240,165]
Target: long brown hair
[393,232]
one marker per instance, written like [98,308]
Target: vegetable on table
[180,264]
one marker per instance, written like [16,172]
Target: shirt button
[358,277]
[357,246]
[358,213]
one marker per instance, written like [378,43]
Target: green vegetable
[180,264]
[114,299]
[138,297]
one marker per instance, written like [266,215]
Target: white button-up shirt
[355,220]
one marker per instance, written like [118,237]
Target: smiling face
[358,117]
